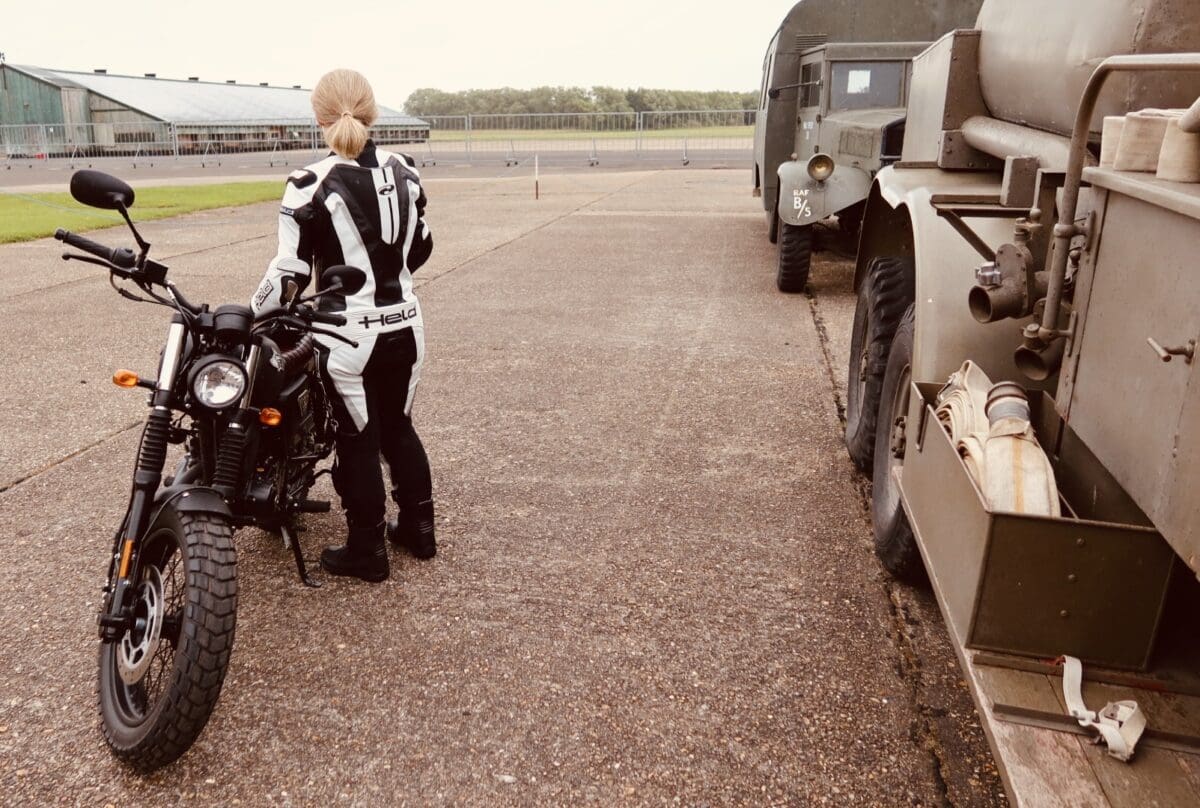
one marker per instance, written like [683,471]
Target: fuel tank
[1035,57]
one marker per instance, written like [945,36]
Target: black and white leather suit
[367,213]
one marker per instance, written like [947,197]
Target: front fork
[152,455]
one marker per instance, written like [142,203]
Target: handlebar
[303,318]
[122,257]
[325,317]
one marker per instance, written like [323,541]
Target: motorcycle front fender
[186,498]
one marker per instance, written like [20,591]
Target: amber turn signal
[125,378]
[269,416]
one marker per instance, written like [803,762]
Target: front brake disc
[140,642]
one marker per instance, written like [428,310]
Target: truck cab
[850,108]
[805,30]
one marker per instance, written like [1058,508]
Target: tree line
[552,100]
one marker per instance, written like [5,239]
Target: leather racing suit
[366,213]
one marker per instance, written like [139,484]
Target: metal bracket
[1087,230]
[1156,684]
[956,207]
[964,230]
[1058,722]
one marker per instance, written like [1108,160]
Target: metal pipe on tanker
[1038,337]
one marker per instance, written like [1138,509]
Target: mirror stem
[143,245]
[331,289]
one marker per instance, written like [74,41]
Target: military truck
[1036,227]
[833,94]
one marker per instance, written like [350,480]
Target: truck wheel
[885,292]
[795,252]
[895,544]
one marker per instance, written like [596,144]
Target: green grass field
[583,134]
[29,216]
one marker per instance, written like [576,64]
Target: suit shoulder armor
[302,178]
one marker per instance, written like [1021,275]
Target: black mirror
[349,279]
[99,190]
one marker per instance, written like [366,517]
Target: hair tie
[347,114]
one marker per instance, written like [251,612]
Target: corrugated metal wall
[115,123]
[25,100]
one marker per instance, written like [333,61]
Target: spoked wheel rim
[144,659]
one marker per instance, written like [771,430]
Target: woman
[363,207]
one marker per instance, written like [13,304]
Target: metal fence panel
[459,138]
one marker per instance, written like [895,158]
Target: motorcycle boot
[363,556]
[413,530]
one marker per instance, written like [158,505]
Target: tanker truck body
[831,110]
[1038,229]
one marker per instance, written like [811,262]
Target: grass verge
[29,216]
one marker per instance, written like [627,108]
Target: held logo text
[389,319]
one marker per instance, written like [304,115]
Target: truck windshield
[863,85]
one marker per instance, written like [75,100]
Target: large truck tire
[895,545]
[884,294]
[795,254]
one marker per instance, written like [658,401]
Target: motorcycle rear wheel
[160,682]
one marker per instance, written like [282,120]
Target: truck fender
[886,230]
[803,200]
[900,219]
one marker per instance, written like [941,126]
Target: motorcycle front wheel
[160,681]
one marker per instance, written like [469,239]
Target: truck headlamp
[820,167]
[218,384]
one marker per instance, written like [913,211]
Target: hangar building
[63,112]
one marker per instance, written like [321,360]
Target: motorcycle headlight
[820,167]
[219,384]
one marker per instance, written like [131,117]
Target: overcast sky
[401,45]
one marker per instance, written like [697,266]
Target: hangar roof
[181,101]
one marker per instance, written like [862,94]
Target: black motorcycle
[244,398]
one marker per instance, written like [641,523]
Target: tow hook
[898,440]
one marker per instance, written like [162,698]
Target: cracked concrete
[960,760]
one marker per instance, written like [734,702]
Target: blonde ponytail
[345,107]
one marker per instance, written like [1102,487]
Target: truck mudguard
[945,270]
[803,200]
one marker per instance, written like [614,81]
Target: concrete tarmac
[655,583]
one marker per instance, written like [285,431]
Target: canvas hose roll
[990,426]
